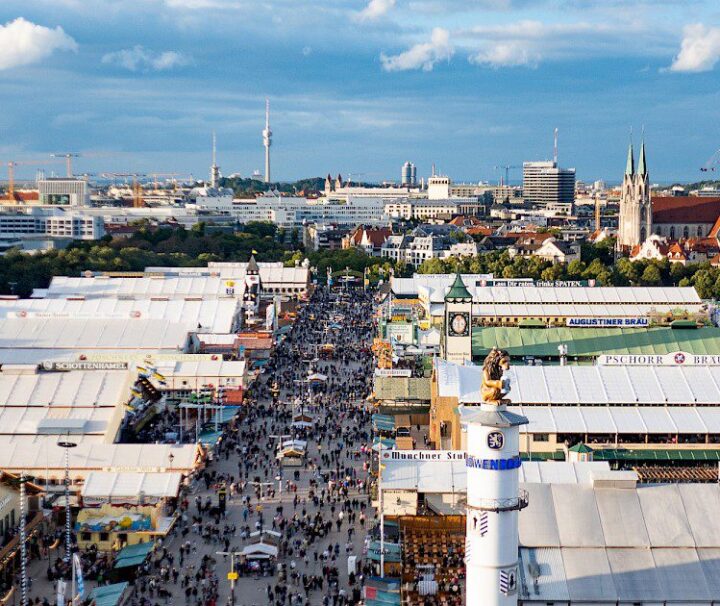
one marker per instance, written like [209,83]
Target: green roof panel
[585,342]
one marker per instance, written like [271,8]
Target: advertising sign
[677,358]
[638,322]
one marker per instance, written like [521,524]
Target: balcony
[497,505]
[11,544]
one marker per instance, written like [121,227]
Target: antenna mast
[555,148]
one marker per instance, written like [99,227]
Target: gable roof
[685,209]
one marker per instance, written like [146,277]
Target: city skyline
[361,86]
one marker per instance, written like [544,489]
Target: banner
[677,358]
[423,455]
[393,372]
[638,322]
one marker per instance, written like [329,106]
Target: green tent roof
[458,290]
[596,341]
[623,454]
[580,448]
[133,555]
[107,595]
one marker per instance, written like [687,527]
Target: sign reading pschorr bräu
[423,455]
[608,322]
[84,365]
[677,358]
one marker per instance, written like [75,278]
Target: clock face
[458,324]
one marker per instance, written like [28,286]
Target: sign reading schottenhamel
[678,358]
[608,322]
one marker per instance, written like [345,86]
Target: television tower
[214,169]
[267,140]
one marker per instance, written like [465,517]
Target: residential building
[428,242]
[558,251]
[367,239]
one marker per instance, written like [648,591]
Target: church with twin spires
[636,216]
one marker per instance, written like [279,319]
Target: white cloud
[421,56]
[700,49]
[527,43]
[23,43]
[139,58]
[375,9]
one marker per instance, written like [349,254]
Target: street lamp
[67,445]
[232,575]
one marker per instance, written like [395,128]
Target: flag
[158,376]
[254,251]
[80,582]
[61,592]
[141,369]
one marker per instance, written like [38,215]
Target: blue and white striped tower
[493,502]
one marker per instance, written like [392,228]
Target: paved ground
[341,434]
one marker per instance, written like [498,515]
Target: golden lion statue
[496,363]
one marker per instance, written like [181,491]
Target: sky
[360,86]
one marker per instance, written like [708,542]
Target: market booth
[123,509]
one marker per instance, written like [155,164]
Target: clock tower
[457,336]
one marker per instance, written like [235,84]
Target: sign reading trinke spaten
[677,358]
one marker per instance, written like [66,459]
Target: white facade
[64,191]
[438,188]
[295,211]
[53,222]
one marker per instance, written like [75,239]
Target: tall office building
[545,183]
[408,175]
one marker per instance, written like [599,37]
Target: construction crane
[711,165]
[11,172]
[507,168]
[67,156]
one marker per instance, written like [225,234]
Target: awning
[133,555]
[225,414]
[108,595]
[209,437]
[260,551]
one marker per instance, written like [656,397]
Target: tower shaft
[267,140]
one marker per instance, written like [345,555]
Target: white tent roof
[64,389]
[41,455]
[173,287]
[652,543]
[102,484]
[213,315]
[620,419]
[64,333]
[609,385]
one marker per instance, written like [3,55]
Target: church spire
[642,165]
[630,167]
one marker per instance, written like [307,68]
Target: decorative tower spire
[630,167]
[642,164]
